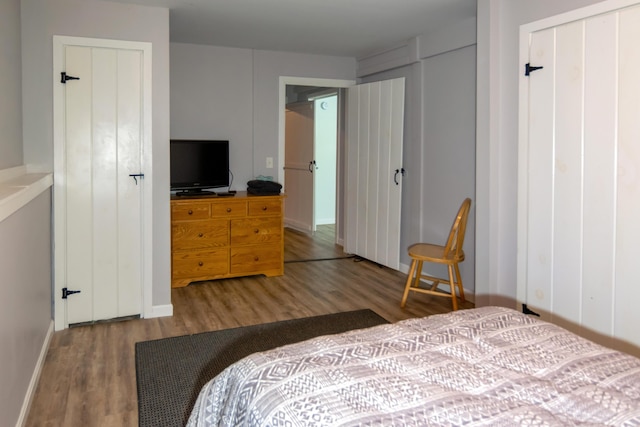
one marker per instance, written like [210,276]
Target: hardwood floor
[323,246]
[88,378]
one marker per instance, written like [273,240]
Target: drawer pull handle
[264,208]
[200,234]
[228,209]
[256,259]
[200,263]
[256,231]
[190,212]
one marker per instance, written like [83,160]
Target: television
[198,165]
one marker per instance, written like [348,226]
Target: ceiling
[331,27]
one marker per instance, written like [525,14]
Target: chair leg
[416,282]
[412,270]
[452,283]
[459,282]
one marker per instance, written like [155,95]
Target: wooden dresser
[218,237]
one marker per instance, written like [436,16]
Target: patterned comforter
[485,366]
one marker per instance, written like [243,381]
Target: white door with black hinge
[579,171]
[374,174]
[102,131]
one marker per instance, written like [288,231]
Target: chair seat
[434,253]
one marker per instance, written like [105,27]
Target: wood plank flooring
[297,247]
[88,378]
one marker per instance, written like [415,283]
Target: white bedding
[486,366]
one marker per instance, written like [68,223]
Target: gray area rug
[170,372]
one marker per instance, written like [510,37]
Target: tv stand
[219,237]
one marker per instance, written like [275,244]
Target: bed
[485,366]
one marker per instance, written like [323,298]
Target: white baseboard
[33,384]
[160,311]
[296,225]
[325,221]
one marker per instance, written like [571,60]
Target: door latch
[135,176]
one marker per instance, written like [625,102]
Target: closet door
[579,173]
[102,143]
[374,176]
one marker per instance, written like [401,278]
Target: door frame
[282,102]
[59,166]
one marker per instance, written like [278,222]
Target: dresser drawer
[256,230]
[199,234]
[196,264]
[185,212]
[229,209]
[256,259]
[265,207]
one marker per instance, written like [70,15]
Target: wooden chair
[451,254]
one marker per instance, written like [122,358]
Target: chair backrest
[458,229]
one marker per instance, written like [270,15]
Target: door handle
[312,164]
[395,175]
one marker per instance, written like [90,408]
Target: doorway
[334,86]
[311,147]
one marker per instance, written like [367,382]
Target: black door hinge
[528,68]
[526,310]
[64,78]
[66,292]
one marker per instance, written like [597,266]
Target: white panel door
[579,179]
[374,175]
[103,121]
[299,166]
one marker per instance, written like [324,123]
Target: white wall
[10,85]
[448,151]
[268,66]
[25,309]
[497,140]
[25,242]
[218,91]
[92,18]
[203,108]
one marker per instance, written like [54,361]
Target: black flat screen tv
[198,165]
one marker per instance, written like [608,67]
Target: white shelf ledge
[18,187]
